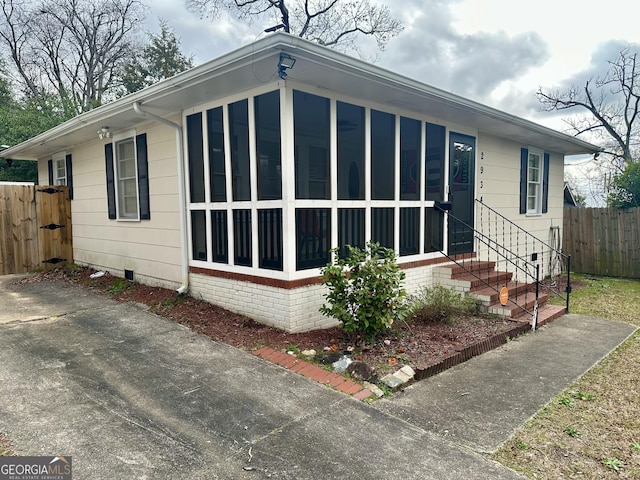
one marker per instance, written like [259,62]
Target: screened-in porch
[279,178]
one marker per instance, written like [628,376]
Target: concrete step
[480,280]
[547,313]
[490,295]
[515,310]
[453,270]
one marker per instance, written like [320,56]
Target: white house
[234,179]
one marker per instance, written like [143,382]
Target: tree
[21,120]
[73,49]
[160,59]
[612,105]
[625,188]
[334,23]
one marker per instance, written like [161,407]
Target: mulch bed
[428,347]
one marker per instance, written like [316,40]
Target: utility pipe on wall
[184,250]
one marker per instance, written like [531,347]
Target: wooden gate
[35,228]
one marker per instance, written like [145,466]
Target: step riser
[454,271]
[514,310]
[466,283]
[492,298]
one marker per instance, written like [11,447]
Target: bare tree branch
[73,48]
[612,104]
[334,23]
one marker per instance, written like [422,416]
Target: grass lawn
[591,430]
[5,446]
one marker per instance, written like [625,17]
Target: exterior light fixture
[286,62]
[104,133]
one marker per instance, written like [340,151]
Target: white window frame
[59,161]
[536,185]
[119,191]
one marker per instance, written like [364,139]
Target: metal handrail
[565,263]
[487,241]
[512,256]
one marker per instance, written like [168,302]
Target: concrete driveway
[130,395]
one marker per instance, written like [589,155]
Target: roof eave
[250,54]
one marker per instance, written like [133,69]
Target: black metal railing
[554,266]
[500,254]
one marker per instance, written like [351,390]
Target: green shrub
[118,286]
[365,290]
[441,304]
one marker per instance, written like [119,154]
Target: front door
[462,154]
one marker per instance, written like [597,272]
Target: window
[534,181]
[409,231]
[219,236]
[196,158]
[127,178]
[199,235]
[350,229]
[267,114]
[311,130]
[410,150]
[433,230]
[270,238]
[435,150]
[383,158]
[59,171]
[313,234]
[215,135]
[382,226]
[350,151]
[240,158]
[242,244]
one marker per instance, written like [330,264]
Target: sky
[496,52]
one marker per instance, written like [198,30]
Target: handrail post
[534,325]
[568,289]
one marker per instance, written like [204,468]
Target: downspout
[184,251]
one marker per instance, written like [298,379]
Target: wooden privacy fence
[603,241]
[35,228]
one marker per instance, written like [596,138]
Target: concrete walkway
[480,403]
[130,395]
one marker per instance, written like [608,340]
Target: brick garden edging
[471,351]
[314,372]
[357,391]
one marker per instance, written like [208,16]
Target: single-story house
[233,180]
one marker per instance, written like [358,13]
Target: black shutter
[69,175]
[545,184]
[50,167]
[143,176]
[111,190]
[524,163]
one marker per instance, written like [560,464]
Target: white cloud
[497,52]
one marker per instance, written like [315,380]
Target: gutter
[184,251]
